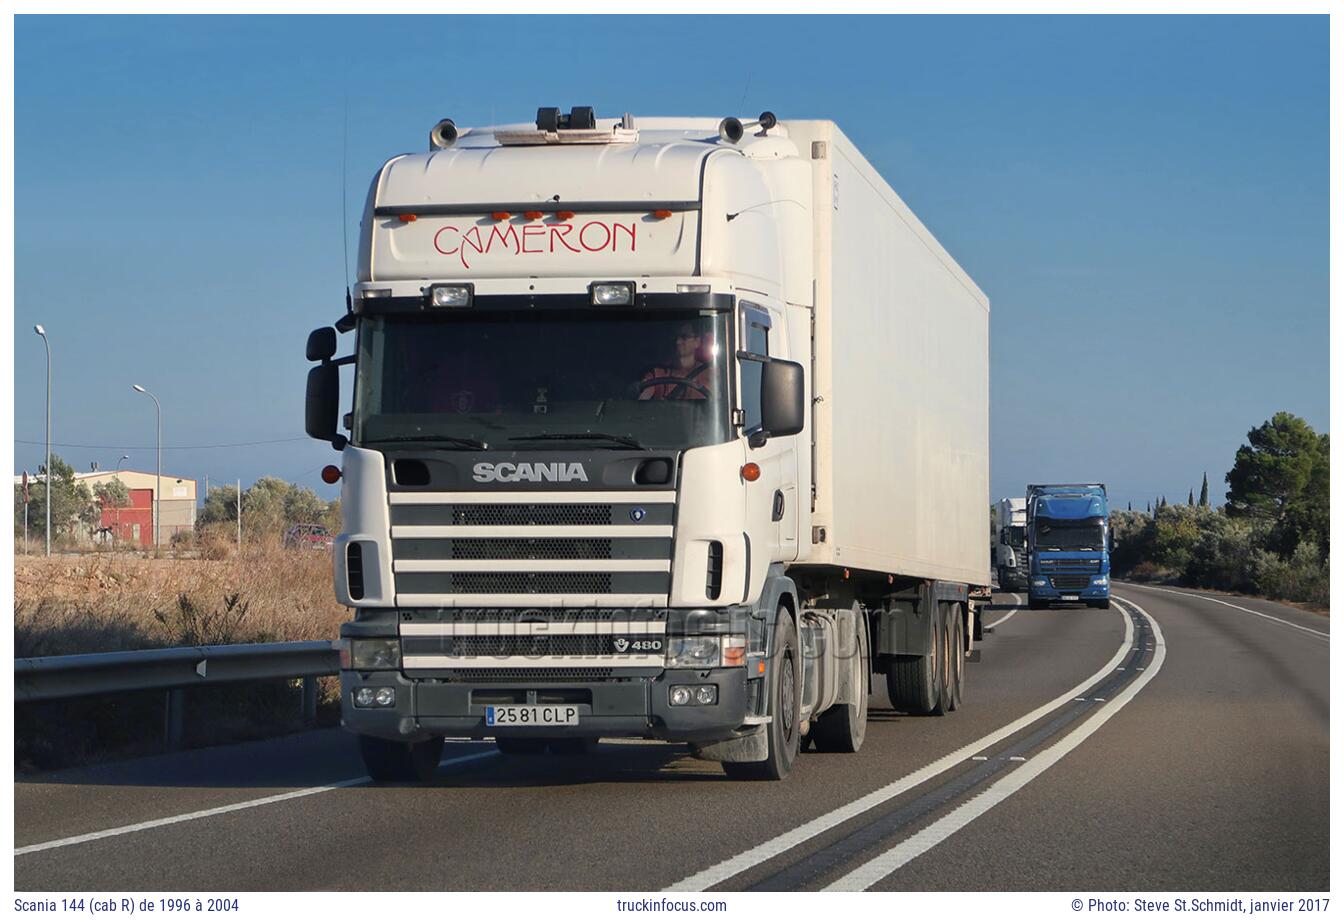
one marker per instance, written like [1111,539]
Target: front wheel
[400,761]
[1037,604]
[1100,605]
[785,700]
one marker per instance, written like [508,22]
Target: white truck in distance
[1010,545]
[667,428]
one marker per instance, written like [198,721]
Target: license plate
[531,715]
[1068,597]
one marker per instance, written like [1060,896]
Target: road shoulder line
[872,872]
[220,810]
[756,855]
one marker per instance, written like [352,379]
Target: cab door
[772,501]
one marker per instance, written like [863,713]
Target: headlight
[375,654]
[1099,580]
[450,295]
[612,293]
[693,652]
[1038,582]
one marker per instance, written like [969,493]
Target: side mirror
[1110,541]
[322,344]
[322,402]
[783,407]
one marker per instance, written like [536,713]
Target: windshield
[1053,534]
[543,379]
[1017,535]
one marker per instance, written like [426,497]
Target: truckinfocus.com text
[654,905]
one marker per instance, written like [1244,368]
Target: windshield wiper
[472,443]
[582,436]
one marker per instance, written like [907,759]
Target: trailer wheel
[914,682]
[785,699]
[400,761]
[957,646]
[946,664]
[841,728]
[521,747]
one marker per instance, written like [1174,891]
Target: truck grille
[1070,582]
[529,515]
[594,548]
[528,675]
[513,548]
[488,640]
[525,583]
[513,646]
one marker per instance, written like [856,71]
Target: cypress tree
[1191,500]
[1204,492]
[1129,506]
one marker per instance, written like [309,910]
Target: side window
[753,352]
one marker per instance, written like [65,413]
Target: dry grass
[104,602]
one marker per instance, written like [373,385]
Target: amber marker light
[500,215]
[751,472]
[532,215]
[662,213]
[408,218]
[565,215]
[331,474]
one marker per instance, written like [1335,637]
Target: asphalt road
[1181,746]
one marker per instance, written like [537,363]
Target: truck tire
[946,677]
[400,761]
[957,642]
[1100,605]
[784,692]
[914,682]
[521,747]
[840,729]
[1035,604]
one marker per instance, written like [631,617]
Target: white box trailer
[670,428]
[901,377]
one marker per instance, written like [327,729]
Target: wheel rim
[786,691]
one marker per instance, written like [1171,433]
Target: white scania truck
[1010,549]
[667,428]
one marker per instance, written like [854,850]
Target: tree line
[270,506]
[1271,538]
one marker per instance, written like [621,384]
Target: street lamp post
[158,459]
[43,333]
[116,533]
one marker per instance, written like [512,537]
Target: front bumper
[1048,592]
[636,707]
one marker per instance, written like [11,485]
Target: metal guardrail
[65,676]
[61,677]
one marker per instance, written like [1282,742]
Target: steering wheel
[643,385]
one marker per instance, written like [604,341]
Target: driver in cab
[687,372]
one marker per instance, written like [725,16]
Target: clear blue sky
[1145,201]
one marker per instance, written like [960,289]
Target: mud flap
[749,748]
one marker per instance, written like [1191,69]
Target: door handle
[777,512]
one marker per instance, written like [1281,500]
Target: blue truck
[1069,545]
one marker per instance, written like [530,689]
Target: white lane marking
[221,810]
[1205,597]
[1017,601]
[804,832]
[872,872]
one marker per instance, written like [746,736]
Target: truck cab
[1010,545]
[1069,545]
